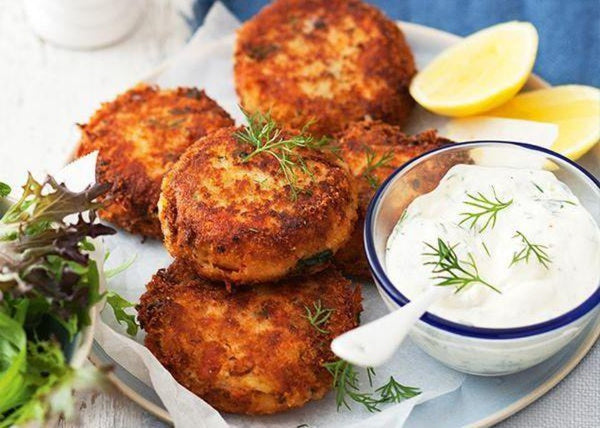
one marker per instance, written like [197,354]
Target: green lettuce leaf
[48,283]
[13,356]
[48,385]
[118,305]
[4,190]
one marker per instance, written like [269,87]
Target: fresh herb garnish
[346,385]
[319,317]
[529,248]
[265,137]
[394,392]
[486,206]
[314,260]
[373,164]
[487,251]
[370,374]
[537,187]
[450,271]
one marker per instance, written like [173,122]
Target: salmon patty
[251,350]
[373,150]
[139,136]
[332,61]
[229,209]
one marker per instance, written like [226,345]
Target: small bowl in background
[83,24]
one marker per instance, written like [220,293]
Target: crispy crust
[139,135]
[380,138]
[235,221]
[333,61]
[251,350]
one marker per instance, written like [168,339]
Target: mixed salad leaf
[118,305]
[48,284]
[4,190]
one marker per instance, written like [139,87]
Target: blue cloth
[569,30]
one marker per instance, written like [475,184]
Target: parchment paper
[206,62]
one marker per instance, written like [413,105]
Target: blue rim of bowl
[461,329]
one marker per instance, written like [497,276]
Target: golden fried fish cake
[139,136]
[251,350]
[236,219]
[373,150]
[332,61]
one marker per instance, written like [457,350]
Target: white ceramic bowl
[474,350]
[83,24]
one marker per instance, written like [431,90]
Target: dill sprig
[529,248]
[373,164]
[450,271]
[487,251]
[395,392]
[319,317]
[486,206]
[370,375]
[346,385]
[537,187]
[266,137]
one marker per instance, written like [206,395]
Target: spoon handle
[372,344]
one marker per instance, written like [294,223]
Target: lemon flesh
[480,72]
[574,108]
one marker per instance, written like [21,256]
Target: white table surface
[47,89]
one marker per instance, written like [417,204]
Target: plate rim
[584,348]
[534,81]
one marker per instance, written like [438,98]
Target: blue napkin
[569,47]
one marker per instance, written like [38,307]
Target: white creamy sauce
[543,210]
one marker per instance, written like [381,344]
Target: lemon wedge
[480,72]
[574,108]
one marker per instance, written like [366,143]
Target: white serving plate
[480,401]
